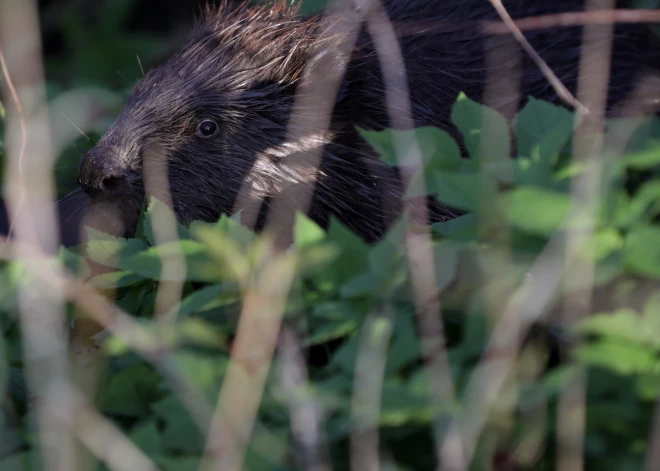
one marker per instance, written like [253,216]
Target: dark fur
[242,67]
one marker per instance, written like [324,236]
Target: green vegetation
[343,287]
[347,298]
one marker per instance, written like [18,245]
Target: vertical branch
[558,86]
[586,189]
[251,358]
[449,449]
[173,276]
[29,190]
[99,434]
[367,390]
[305,413]
[265,300]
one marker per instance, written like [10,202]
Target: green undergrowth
[347,296]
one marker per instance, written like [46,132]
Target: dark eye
[207,128]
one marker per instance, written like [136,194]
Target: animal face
[211,119]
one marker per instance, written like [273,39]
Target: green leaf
[207,298]
[483,129]
[536,210]
[446,262]
[648,386]
[200,333]
[111,251]
[624,359]
[353,258]
[115,279]
[623,325]
[146,436]
[365,284]
[641,207]
[198,265]
[458,190]
[331,330]
[307,232]
[642,251]
[158,209]
[405,346]
[437,148]
[643,160]
[203,372]
[130,391]
[463,228]
[74,262]
[386,273]
[542,130]
[605,243]
[181,434]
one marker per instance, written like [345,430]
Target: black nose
[98,177]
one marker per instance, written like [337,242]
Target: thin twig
[140,63]
[70,408]
[367,390]
[419,253]
[265,299]
[23,127]
[586,188]
[575,18]
[532,23]
[557,84]
[305,410]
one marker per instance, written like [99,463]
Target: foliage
[345,291]
[341,284]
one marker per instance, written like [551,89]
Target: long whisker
[82,151]
[76,212]
[75,194]
[124,77]
[76,126]
[140,62]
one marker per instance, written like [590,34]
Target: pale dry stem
[593,86]
[29,188]
[173,276]
[74,413]
[367,389]
[419,252]
[265,300]
[547,72]
[304,408]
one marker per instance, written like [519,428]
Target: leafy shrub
[347,294]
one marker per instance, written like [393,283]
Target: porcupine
[219,108]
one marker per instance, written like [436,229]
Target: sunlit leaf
[536,210]
[485,132]
[642,251]
[164,215]
[110,251]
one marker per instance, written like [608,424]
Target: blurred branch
[586,190]
[578,18]
[103,438]
[264,302]
[305,412]
[559,87]
[29,190]
[21,120]
[449,449]
[251,358]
